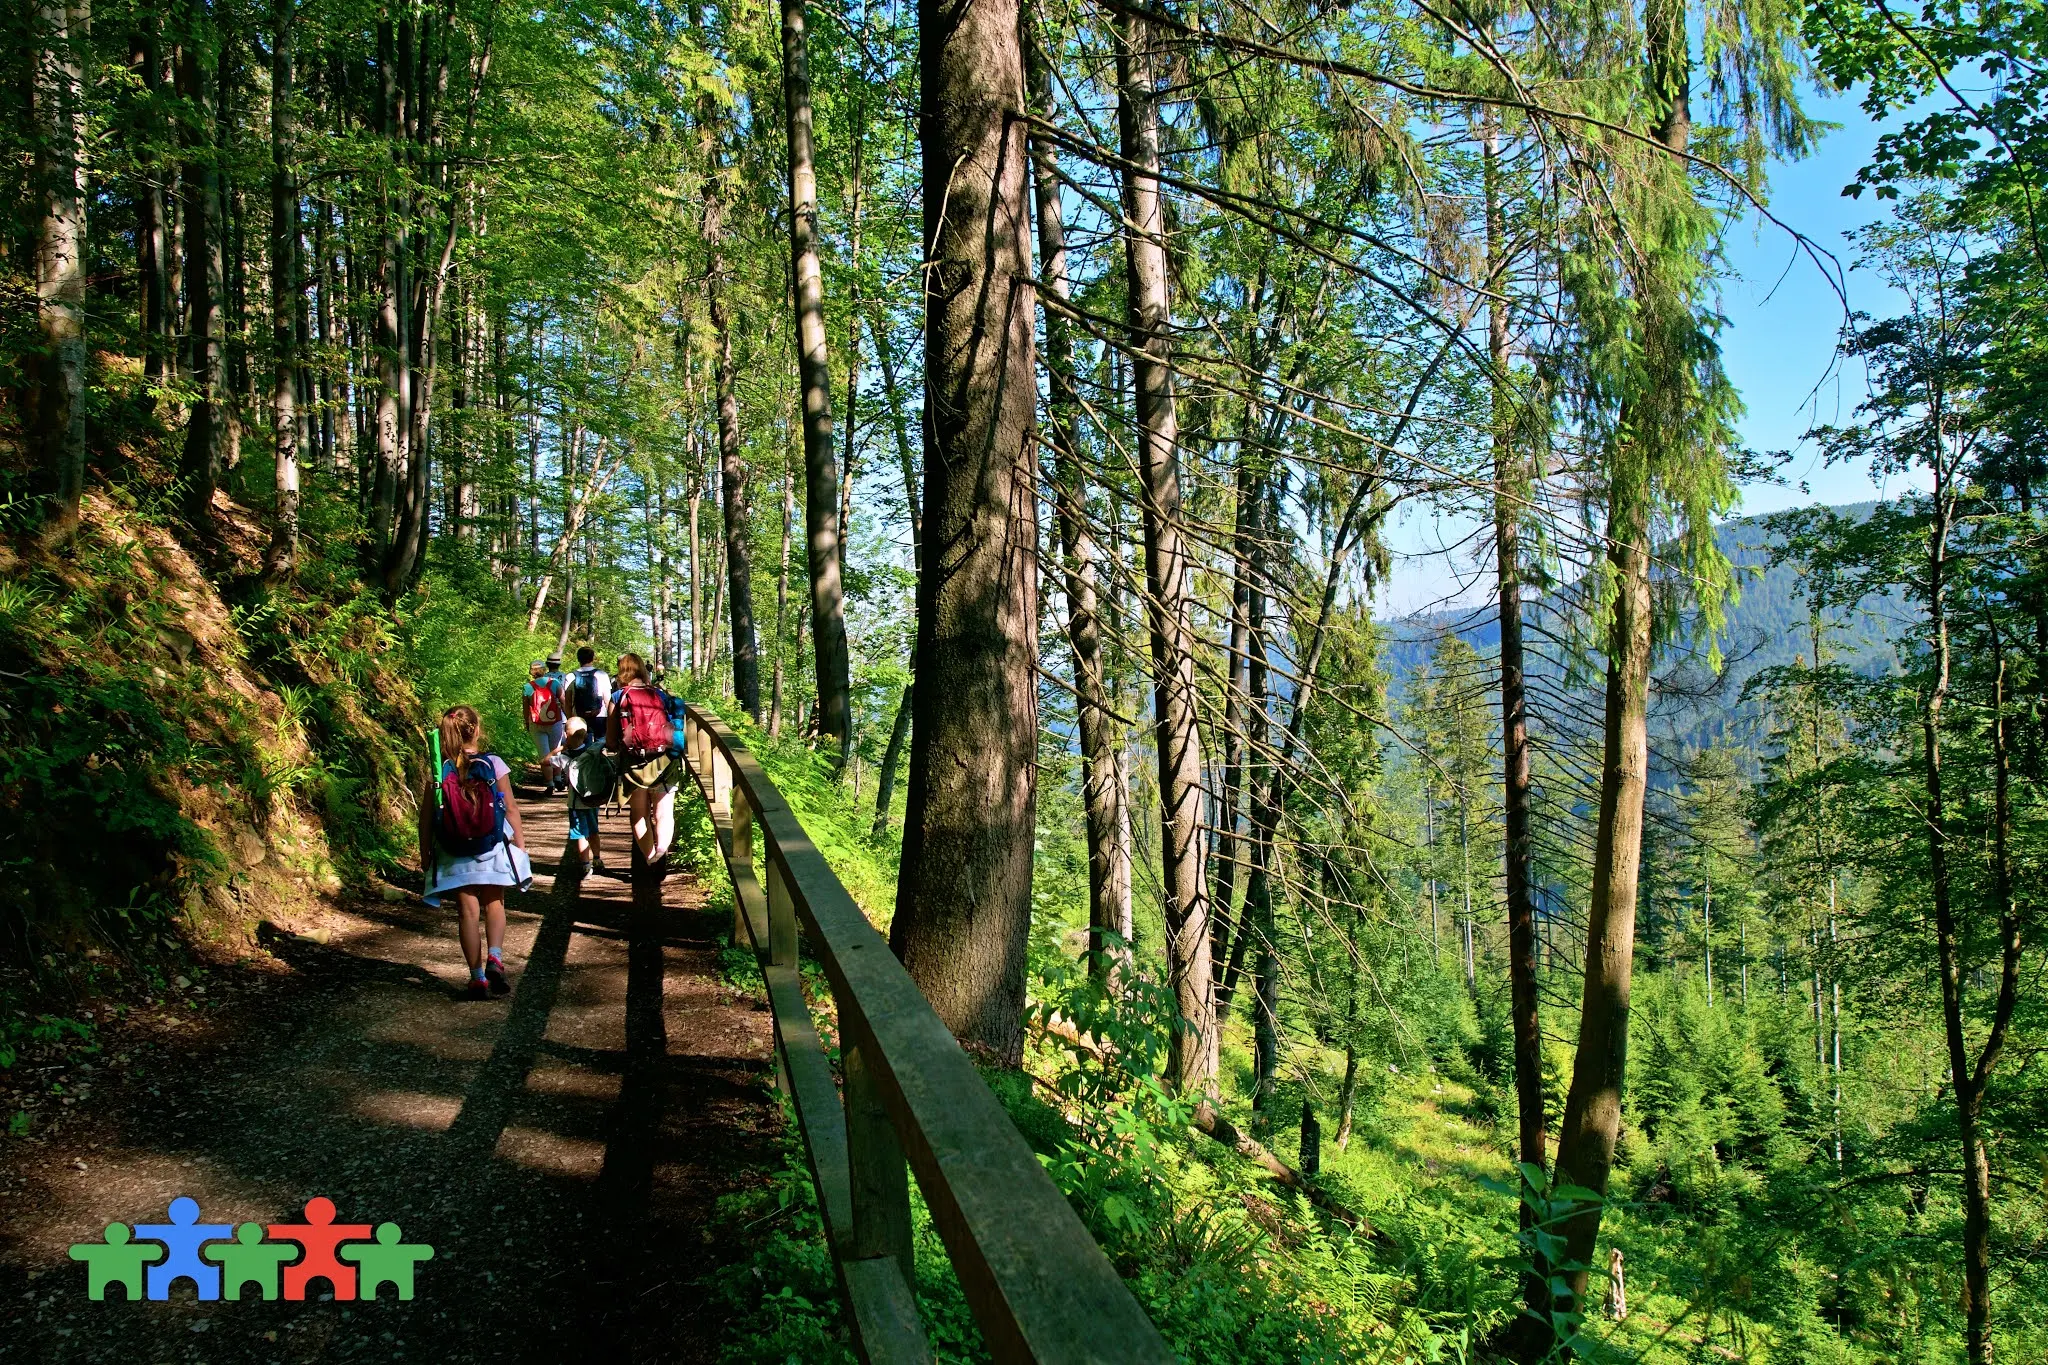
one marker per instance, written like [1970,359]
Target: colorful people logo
[216,1256]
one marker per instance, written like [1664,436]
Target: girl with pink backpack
[640,729]
[472,845]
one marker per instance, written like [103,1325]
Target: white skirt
[502,864]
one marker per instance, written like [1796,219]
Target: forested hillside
[1769,623]
[996,412]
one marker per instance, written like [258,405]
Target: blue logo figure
[182,1237]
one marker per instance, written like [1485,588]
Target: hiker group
[597,736]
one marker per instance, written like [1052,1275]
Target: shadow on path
[563,1151]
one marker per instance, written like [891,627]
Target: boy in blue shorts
[576,745]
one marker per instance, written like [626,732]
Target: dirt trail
[561,1149]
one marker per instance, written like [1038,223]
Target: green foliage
[160,719]
[829,814]
[1226,1269]
[463,646]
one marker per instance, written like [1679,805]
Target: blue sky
[1779,346]
[1784,317]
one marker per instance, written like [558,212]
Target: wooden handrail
[1039,1286]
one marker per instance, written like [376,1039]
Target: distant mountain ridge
[1767,626]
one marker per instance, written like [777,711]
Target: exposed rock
[249,845]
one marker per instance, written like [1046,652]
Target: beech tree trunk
[1102,786]
[578,507]
[59,99]
[284,289]
[821,474]
[1186,896]
[963,900]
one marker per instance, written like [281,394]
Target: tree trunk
[1347,1096]
[1225,846]
[857,192]
[821,474]
[429,289]
[1591,1125]
[152,251]
[698,661]
[733,475]
[578,508]
[392,331]
[1592,1115]
[892,757]
[1102,787]
[963,900]
[1266,995]
[59,97]
[284,291]
[1186,896]
[782,600]
[206,433]
[901,427]
[1511,483]
[1259,772]
[1967,1078]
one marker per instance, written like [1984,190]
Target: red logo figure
[319,1235]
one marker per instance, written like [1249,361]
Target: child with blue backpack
[473,845]
[590,785]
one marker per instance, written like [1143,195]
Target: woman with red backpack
[640,729]
[473,845]
[545,714]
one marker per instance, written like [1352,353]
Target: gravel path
[562,1150]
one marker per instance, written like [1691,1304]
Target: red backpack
[543,706]
[470,815]
[643,720]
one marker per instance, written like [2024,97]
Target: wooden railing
[1038,1285]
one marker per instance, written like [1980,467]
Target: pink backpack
[643,720]
[471,812]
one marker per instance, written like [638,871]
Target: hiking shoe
[478,990]
[495,978]
[596,868]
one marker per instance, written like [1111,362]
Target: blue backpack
[585,696]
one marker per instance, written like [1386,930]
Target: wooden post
[742,856]
[781,945]
[721,783]
[876,1171]
[781,918]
